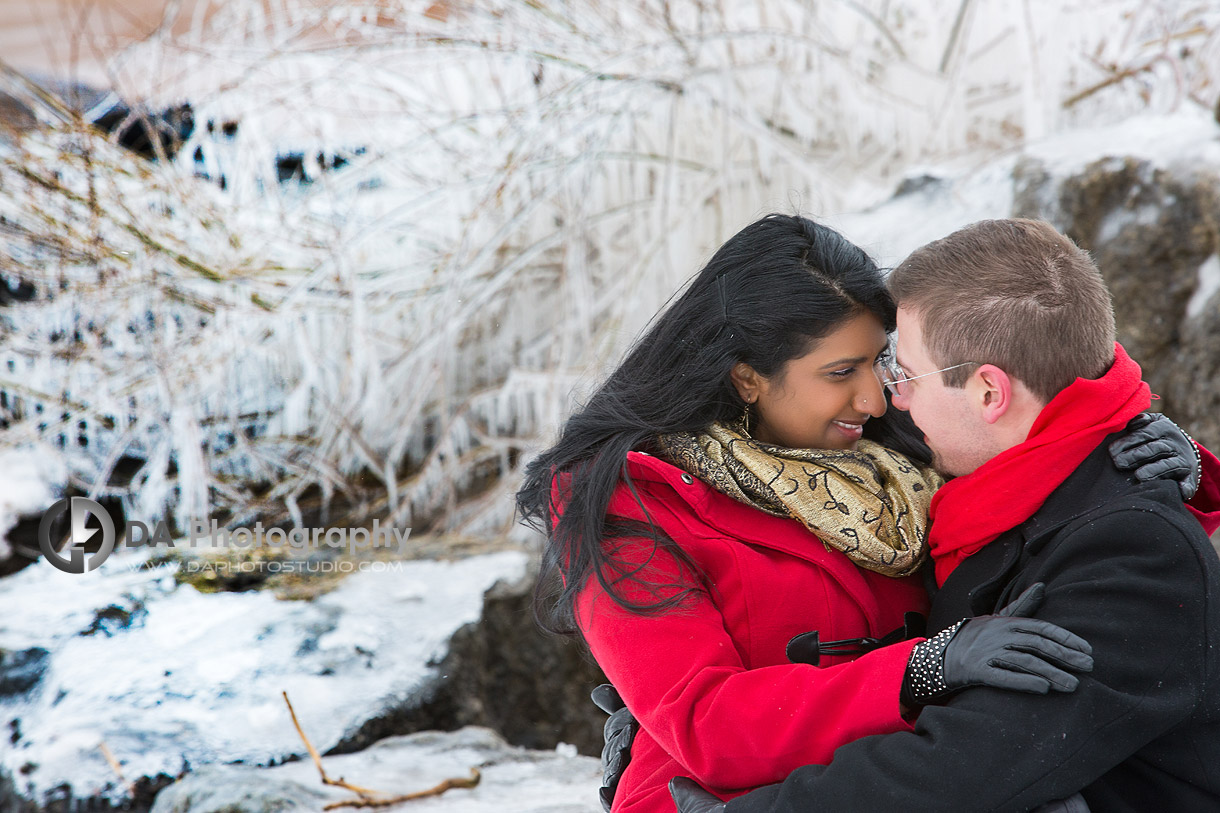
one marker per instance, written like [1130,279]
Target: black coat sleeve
[1132,583]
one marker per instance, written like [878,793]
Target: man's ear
[992,391]
[747,381]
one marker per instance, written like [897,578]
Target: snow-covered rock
[1141,196]
[512,780]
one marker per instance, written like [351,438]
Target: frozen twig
[1114,78]
[954,34]
[364,793]
[367,796]
[118,770]
[448,784]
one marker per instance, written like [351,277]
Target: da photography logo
[80,508]
[73,559]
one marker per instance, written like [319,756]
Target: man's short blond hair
[1013,293]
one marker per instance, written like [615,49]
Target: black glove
[1007,650]
[617,736]
[690,798]
[1158,449]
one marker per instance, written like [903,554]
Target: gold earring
[745,419]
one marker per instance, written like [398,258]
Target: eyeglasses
[894,377]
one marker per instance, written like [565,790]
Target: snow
[946,202]
[196,678]
[1185,138]
[1207,287]
[31,481]
[948,196]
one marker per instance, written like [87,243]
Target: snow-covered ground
[172,678]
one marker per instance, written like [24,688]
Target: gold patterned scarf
[871,503]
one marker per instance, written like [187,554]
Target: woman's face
[821,399]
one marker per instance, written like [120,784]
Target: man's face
[956,434]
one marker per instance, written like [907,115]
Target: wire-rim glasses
[895,378]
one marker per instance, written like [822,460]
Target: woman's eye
[844,373]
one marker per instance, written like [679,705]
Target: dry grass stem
[367,796]
[448,784]
[364,793]
[118,770]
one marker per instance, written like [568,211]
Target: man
[1007,363]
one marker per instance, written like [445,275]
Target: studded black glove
[1007,650]
[617,736]
[1158,449]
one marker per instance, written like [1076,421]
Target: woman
[682,504]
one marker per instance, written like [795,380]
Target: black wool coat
[1128,569]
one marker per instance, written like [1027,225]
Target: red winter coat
[714,693]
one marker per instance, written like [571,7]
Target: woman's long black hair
[766,296]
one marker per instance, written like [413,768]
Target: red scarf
[969,512]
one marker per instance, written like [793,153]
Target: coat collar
[979,583]
[1094,483]
[742,522]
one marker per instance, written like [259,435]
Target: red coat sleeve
[681,674]
[1205,505]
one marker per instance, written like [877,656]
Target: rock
[1146,205]
[20,671]
[236,789]
[10,800]
[920,182]
[33,482]
[505,673]
[114,618]
[532,687]
[512,780]
[1192,372]
[1150,229]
